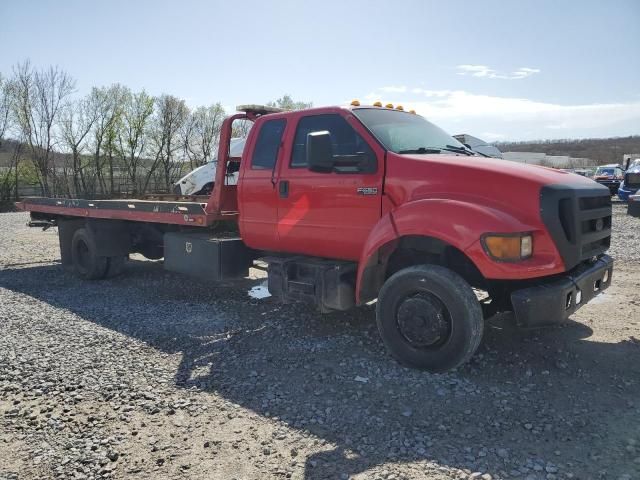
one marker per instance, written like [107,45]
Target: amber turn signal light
[508,248]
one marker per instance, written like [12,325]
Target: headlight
[508,247]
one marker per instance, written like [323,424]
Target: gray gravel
[625,245]
[152,375]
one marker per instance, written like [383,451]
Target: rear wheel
[87,264]
[429,318]
[115,266]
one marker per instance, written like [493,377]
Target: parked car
[631,182]
[200,180]
[582,172]
[610,176]
[478,145]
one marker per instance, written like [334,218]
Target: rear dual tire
[87,264]
[429,318]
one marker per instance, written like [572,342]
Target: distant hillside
[601,150]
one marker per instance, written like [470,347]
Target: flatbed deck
[189,212]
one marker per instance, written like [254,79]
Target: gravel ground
[152,376]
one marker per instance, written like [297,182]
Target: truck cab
[389,202]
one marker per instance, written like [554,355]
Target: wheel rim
[423,320]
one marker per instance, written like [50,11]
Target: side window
[344,138]
[268,143]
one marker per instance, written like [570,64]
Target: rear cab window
[267,144]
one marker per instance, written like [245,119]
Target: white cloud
[432,93]
[492,136]
[393,89]
[459,111]
[483,71]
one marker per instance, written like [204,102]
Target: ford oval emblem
[599,225]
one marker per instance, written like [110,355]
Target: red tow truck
[351,204]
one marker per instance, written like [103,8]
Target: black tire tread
[462,292]
[116,266]
[98,269]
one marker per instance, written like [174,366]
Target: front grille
[632,180]
[578,219]
[589,203]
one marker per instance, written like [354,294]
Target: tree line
[110,142]
[600,150]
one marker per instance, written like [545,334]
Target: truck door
[329,214]
[257,192]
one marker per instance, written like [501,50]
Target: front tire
[429,318]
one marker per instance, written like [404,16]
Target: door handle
[284,188]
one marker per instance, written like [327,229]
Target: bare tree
[136,110]
[201,133]
[4,107]
[105,148]
[9,176]
[168,123]
[241,128]
[78,118]
[288,103]
[37,98]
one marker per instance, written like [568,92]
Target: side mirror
[319,152]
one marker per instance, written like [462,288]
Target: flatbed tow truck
[347,205]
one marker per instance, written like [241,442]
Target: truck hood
[509,186]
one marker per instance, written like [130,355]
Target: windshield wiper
[453,148]
[421,150]
[448,148]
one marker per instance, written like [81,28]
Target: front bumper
[624,193]
[553,301]
[633,207]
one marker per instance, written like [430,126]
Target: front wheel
[429,318]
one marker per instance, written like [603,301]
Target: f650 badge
[367,191]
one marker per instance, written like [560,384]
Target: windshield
[403,132]
[605,171]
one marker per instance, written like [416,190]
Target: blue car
[630,184]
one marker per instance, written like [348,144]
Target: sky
[500,70]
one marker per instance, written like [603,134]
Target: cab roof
[259,110]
